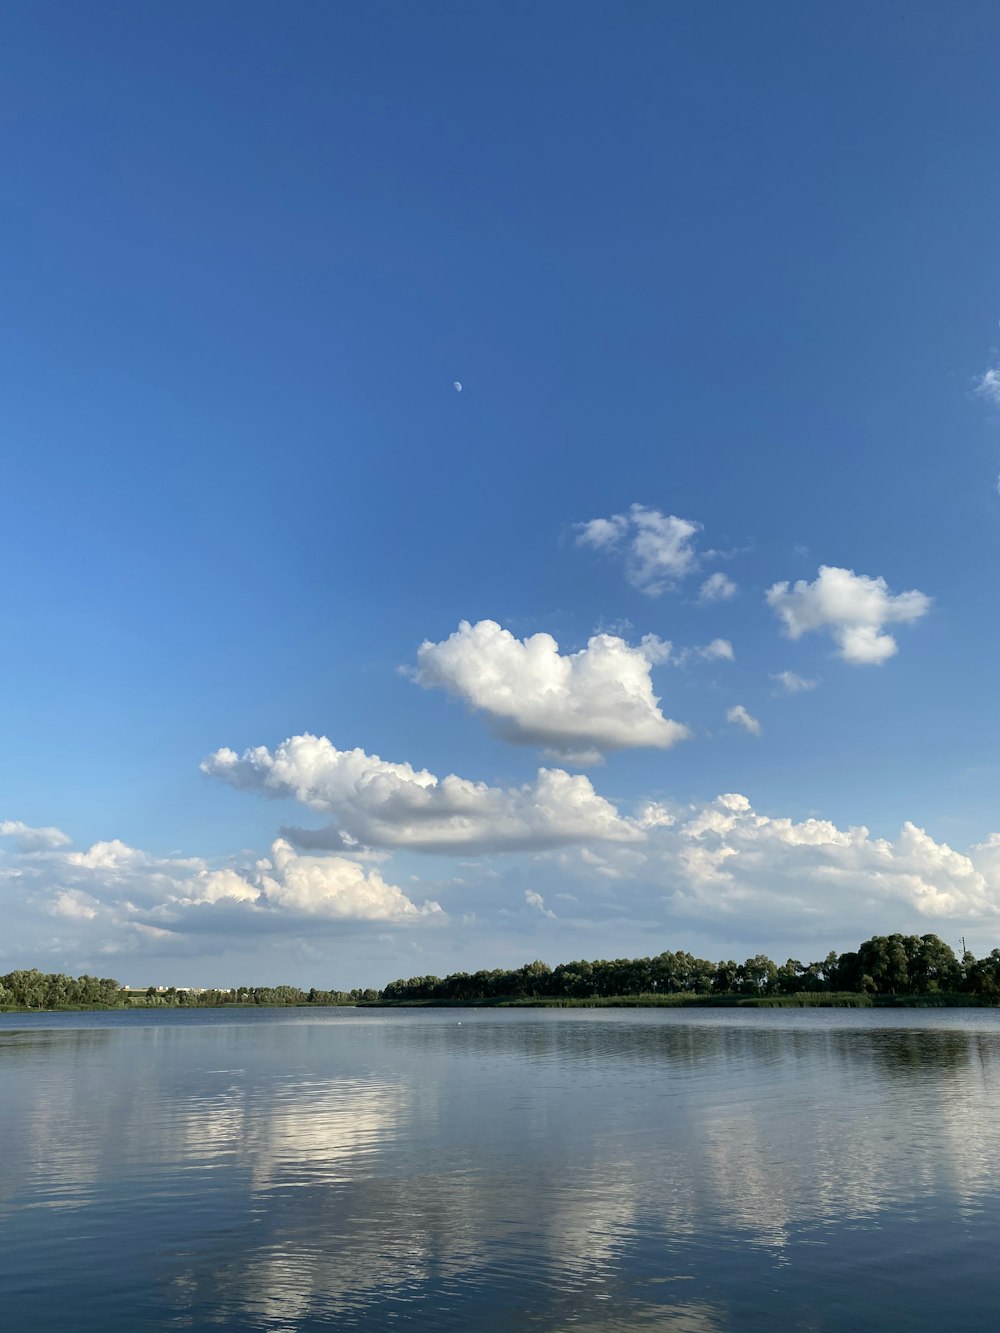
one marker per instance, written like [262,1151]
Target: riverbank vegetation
[31,989]
[885,970]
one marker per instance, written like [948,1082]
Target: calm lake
[489,1169]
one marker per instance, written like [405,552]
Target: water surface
[697,1171]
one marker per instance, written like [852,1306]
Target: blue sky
[727,265]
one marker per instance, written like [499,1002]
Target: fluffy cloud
[28,839]
[716,588]
[730,859]
[578,705]
[723,869]
[382,804]
[126,889]
[658,548]
[792,683]
[218,886]
[75,905]
[988,386]
[602,533]
[718,649]
[334,887]
[739,717]
[717,870]
[114,856]
[853,608]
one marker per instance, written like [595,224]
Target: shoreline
[804,1000]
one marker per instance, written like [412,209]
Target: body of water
[699,1171]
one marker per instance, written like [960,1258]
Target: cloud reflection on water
[543,1164]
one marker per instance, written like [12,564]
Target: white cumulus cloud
[716,650]
[738,872]
[585,703]
[126,890]
[28,839]
[720,867]
[853,608]
[114,856]
[291,884]
[601,533]
[383,804]
[658,549]
[733,859]
[718,587]
[739,717]
[333,886]
[75,905]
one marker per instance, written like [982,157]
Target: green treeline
[886,965]
[51,990]
[886,968]
[271,996]
[31,989]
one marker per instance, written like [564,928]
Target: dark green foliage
[52,990]
[887,969]
[245,996]
[32,989]
[982,978]
[892,965]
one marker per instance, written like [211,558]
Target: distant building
[162,990]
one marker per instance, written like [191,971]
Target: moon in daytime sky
[458,386]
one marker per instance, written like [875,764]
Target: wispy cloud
[536,901]
[988,386]
[718,587]
[791,683]
[658,549]
[28,839]
[739,717]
